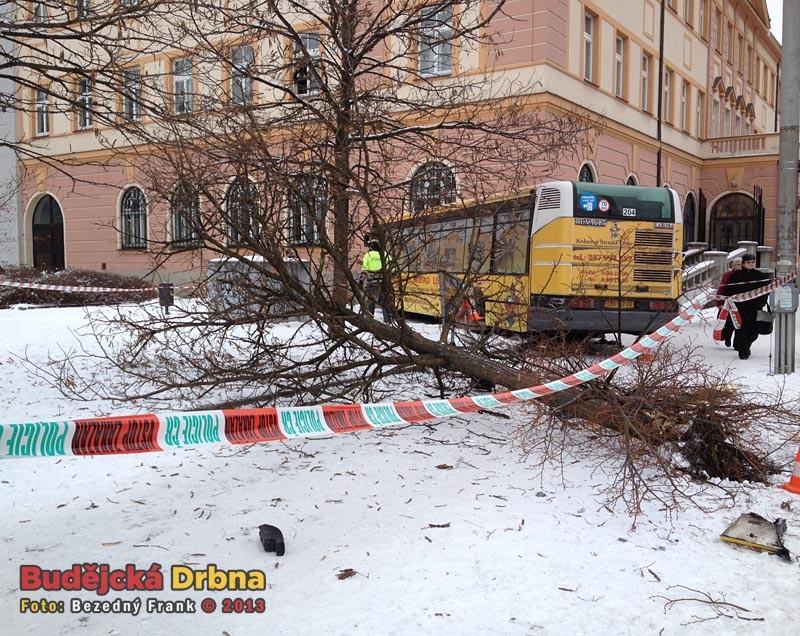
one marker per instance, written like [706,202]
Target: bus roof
[466,204]
[511,195]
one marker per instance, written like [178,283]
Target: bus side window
[453,244]
[431,240]
[510,246]
[410,250]
[479,245]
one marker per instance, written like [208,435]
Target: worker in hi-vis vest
[372,277]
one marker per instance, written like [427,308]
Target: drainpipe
[777,95]
[660,92]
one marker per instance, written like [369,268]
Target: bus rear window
[632,203]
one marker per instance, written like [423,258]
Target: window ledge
[184,247]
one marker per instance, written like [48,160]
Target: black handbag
[764,322]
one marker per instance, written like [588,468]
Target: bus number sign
[587,202]
[628,211]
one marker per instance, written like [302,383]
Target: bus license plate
[619,304]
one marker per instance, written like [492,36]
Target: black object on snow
[272,539]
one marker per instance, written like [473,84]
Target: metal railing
[703,268]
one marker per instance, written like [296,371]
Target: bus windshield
[633,203]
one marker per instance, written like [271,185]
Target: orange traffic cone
[794,481]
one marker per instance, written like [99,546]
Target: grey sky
[776,16]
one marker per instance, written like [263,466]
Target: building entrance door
[733,219]
[48,234]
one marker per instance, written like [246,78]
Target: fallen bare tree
[666,428]
[272,138]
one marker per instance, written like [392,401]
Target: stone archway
[734,218]
[48,234]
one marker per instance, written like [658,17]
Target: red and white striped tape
[84,288]
[165,431]
[74,288]
[729,308]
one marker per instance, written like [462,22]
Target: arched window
[48,234]
[133,219]
[733,218]
[586,174]
[240,211]
[184,208]
[688,220]
[308,204]
[632,180]
[432,185]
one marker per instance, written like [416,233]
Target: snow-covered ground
[447,529]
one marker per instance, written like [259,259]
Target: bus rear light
[581,303]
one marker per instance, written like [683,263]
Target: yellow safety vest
[372,262]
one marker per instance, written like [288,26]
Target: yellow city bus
[575,256]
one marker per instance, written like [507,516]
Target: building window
[306,58]
[757,81]
[42,110]
[685,94]
[688,12]
[718,35]
[589,43]
[741,54]
[688,219]
[738,127]
[715,118]
[698,115]
[702,13]
[82,9]
[39,12]
[308,205]
[667,96]
[432,185]
[132,95]
[647,63]
[729,44]
[620,72]
[241,204]
[765,80]
[749,64]
[85,116]
[242,59]
[129,3]
[184,208]
[631,180]
[182,86]
[771,88]
[726,129]
[435,45]
[586,174]
[133,218]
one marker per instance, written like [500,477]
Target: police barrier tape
[74,288]
[164,431]
[85,289]
[729,309]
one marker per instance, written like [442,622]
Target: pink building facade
[697,114]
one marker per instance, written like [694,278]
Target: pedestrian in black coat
[744,280]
